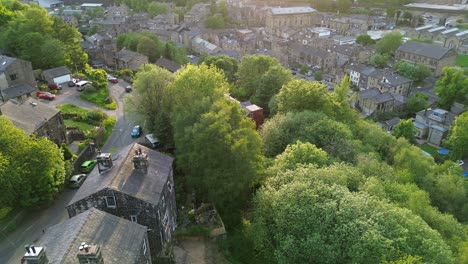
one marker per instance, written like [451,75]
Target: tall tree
[147,101]
[25,181]
[452,85]
[405,128]
[299,95]
[364,40]
[227,64]
[389,43]
[148,47]
[457,140]
[225,158]
[417,102]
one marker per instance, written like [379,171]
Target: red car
[112,79]
[45,95]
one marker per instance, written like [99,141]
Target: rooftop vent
[104,161]
[89,254]
[140,160]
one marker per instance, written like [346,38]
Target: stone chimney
[89,254]
[140,160]
[35,255]
[104,161]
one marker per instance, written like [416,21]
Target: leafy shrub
[67,154]
[94,117]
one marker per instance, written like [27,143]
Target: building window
[134,218]
[13,77]
[110,202]
[144,247]
[169,186]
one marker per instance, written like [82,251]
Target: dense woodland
[317,183]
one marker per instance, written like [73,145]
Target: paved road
[29,231]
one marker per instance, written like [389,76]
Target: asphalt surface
[34,222]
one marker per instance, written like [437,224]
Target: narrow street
[34,222]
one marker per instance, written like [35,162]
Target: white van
[152,141]
[81,85]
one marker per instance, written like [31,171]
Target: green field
[72,109]
[82,126]
[429,149]
[462,60]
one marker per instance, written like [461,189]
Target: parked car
[88,166]
[72,82]
[112,79]
[45,95]
[77,180]
[460,162]
[136,131]
[128,89]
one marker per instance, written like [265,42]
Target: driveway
[34,222]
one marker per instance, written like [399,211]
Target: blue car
[136,131]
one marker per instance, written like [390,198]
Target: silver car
[77,180]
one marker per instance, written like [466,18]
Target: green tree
[148,47]
[457,140]
[215,21]
[452,85]
[365,40]
[95,12]
[379,61]
[299,95]
[300,154]
[227,64]
[155,8]
[251,68]
[405,128]
[416,73]
[98,77]
[226,138]
[269,84]
[417,102]
[344,6]
[341,226]
[26,182]
[318,76]
[147,101]
[389,43]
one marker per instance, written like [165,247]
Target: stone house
[389,124]
[372,101]
[354,53]
[434,124]
[387,81]
[451,38]
[169,19]
[359,74]
[112,25]
[100,47]
[278,19]
[107,238]
[127,59]
[35,117]
[57,75]
[16,78]
[304,55]
[432,56]
[136,185]
[197,14]
[165,35]
[200,46]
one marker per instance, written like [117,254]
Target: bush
[94,117]
[82,145]
[67,154]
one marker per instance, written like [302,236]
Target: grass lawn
[72,109]
[98,97]
[81,125]
[462,60]
[429,149]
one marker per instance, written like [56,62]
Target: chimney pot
[27,248]
[86,248]
[33,249]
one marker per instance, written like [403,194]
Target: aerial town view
[234,131]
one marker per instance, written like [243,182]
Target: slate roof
[122,177]
[310,51]
[376,95]
[27,116]
[55,72]
[169,65]
[424,49]
[292,10]
[120,240]
[127,55]
[392,122]
[5,61]
[396,79]
[17,90]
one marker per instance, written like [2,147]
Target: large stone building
[16,78]
[127,59]
[432,56]
[451,38]
[136,185]
[107,238]
[36,118]
[279,19]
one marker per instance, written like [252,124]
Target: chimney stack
[104,161]
[35,255]
[140,160]
[89,254]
